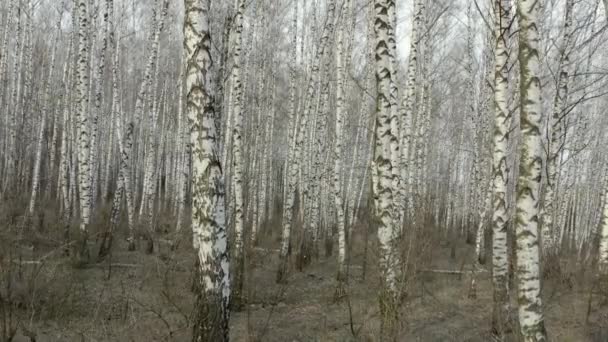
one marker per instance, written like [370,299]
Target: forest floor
[133,296]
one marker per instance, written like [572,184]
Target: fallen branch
[28,262]
[117,265]
[39,262]
[453,271]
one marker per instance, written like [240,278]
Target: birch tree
[407,109]
[237,147]
[603,251]
[383,190]
[208,213]
[500,172]
[340,115]
[531,319]
[556,124]
[82,90]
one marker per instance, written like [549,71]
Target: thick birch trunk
[208,214]
[500,172]
[531,319]
[384,192]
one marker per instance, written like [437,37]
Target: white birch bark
[82,89]
[500,172]
[5,39]
[64,162]
[237,152]
[12,108]
[340,115]
[121,184]
[97,84]
[384,192]
[477,134]
[603,250]
[423,111]
[208,214]
[36,171]
[316,181]
[407,112]
[182,155]
[394,107]
[531,319]
[5,165]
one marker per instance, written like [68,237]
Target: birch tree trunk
[555,146]
[107,237]
[407,112]
[237,147]
[340,115]
[388,256]
[500,171]
[208,213]
[531,319]
[82,90]
[5,165]
[5,37]
[11,101]
[64,162]
[36,171]
[603,250]
[182,156]
[310,245]
[98,83]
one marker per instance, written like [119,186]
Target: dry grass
[133,296]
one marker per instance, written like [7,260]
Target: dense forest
[303,170]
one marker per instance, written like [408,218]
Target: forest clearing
[304,170]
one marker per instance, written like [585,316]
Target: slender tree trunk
[603,250]
[82,90]
[237,151]
[500,172]
[5,165]
[182,156]
[11,109]
[559,105]
[4,46]
[407,112]
[36,171]
[107,238]
[340,115]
